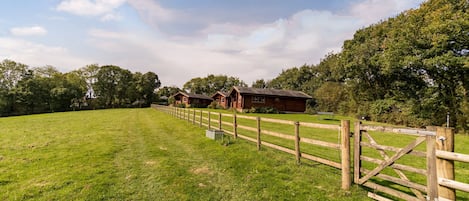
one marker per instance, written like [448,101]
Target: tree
[11,73]
[111,86]
[167,91]
[329,96]
[259,84]
[143,88]
[211,84]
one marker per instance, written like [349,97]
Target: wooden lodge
[222,99]
[192,100]
[243,98]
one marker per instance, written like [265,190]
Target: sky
[183,39]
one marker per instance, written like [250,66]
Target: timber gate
[403,169]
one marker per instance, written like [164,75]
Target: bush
[266,110]
[214,105]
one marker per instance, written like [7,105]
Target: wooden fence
[214,120]
[437,150]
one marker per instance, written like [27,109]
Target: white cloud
[103,8]
[28,31]
[111,17]
[35,54]
[151,12]
[371,11]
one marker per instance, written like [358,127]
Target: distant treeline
[25,90]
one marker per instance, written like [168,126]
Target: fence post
[193,117]
[258,120]
[209,120]
[297,142]
[357,151]
[432,179]
[219,121]
[345,148]
[200,123]
[445,168]
[235,126]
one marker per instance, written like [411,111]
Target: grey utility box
[214,134]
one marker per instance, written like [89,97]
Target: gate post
[445,168]
[432,179]
[357,151]
[345,160]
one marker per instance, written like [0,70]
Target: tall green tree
[11,73]
[112,85]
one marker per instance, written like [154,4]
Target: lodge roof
[270,92]
[225,94]
[192,95]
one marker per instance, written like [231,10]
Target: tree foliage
[211,84]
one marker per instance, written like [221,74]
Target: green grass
[143,154]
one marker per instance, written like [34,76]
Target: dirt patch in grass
[202,170]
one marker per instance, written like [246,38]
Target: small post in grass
[297,142]
[258,120]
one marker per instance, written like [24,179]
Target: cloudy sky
[182,39]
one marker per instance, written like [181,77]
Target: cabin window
[277,99]
[222,99]
[184,99]
[258,99]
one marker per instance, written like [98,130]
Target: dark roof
[271,92]
[225,94]
[191,95]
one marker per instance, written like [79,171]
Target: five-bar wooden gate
[386,157]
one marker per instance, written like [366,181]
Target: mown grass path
[143,154]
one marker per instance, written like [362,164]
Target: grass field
[143,154]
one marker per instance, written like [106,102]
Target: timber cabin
[243,98]
[222,99]
[192,100]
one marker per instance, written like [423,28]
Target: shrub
[266,110]
[214,105]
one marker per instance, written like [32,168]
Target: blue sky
[180,39]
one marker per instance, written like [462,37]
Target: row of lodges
[242,98]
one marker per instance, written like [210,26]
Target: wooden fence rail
[439,152]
